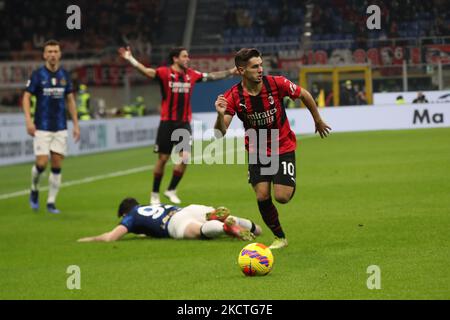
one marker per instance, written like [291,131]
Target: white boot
[172,195]
[154,198]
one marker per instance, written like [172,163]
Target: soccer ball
[255,260]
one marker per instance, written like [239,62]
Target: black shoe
[34,200]
[52,209]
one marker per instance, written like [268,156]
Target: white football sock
[212,229]
[247,224]
[54,182]
[35,175]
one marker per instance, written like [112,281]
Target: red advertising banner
[212,63]
[385,56]
[436,53]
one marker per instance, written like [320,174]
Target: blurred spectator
[243,18]
[360,95]
[136,109]
[83,103]
[104,24]
[420,98]
[288,103]
[315,92]
[348,95]
[400,100]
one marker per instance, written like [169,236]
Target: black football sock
[269,214]
[177,175]
[157,177]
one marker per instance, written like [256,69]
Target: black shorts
[284,175]
[182,137]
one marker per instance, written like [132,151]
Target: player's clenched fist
[221,104]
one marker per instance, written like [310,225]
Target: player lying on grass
[167,221]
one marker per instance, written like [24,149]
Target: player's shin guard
[211,229]
[36,172]
[54,181]
[177,175]
[269,214]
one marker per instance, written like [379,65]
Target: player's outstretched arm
[117,233]
[223,120]
[321,127]
[26,104]
[126,54]
[222,74]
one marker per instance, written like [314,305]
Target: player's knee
[42,164]
[262,196]
[283,198]
[163,160]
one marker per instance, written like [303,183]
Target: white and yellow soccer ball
[255,259]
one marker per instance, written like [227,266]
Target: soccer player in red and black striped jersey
[177,82]
[258,102]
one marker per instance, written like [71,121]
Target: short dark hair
[51,42]
[244,55]
[126,205]
[175,53]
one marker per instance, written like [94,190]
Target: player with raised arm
[168,221]
[258,102]
[52,87]
[177,82]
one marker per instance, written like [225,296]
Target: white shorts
[187,215]
[46,141]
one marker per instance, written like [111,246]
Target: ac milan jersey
[265,111]
[176,90]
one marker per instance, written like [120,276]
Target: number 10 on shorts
[288,168]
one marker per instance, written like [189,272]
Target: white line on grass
[111,175]
[81,181]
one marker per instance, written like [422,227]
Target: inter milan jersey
[265,111]
[150,220]
[176,90]
[50,89]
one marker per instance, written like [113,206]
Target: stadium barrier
[385,98]
[16,146]
[347,119]
[115,134]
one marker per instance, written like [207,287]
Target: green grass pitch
[369,198]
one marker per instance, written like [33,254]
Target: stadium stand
[290,33]
[263,21]
[106,23]
[335,20]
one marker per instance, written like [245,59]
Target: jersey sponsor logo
[180,87]
[55,93]
[258,119]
